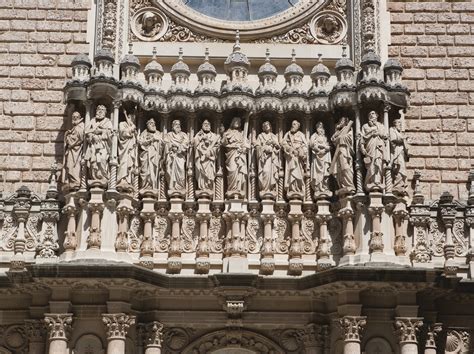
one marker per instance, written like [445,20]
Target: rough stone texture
[434,41]
[38,39]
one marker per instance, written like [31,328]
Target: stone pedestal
[324,252]
[295,215]
[236,260]
[174,255]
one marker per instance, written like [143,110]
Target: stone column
[59,326]
[153,337]
[376,244]
[202,250]
[113,154]
[36,332]
[146,247]
[323,216]
[447,210]
[313,339]
[388,165]
[431,334]
[358,159]
[70,239]
[352,327]
[295,266]
[267,262]
[117,325]
[406,329]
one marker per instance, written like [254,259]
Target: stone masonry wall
[38,39]
[435,44]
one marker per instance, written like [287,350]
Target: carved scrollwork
[216,233]
[160,231]
[254,234]
[189,233]
[437,234]
[136,229]
[7,237]
[282,231]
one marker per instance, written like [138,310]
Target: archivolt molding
[236,338]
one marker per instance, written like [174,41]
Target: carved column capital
[59,325]
[431,335]
[314,335]
[153,334]
[352,327]
[117,324]
[35,330]
[407,328]
[376,210]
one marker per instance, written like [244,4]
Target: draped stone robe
[176,151]
[399,157]
[372,145]
[127,152]
[206,149]
[150,155]
[296,150]
[342,164]
[99,145]
[73,140]
[321,163]
[236,161]
[268,161]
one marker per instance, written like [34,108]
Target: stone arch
[378,345]
[89,343]
[227,341]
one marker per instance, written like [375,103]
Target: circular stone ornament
[149,24]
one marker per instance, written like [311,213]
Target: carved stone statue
[150,142]
[296,149]
[176,151]
[127,152]
[99,144]
[268,162]
[236,147]
[341,167]
[73,139]
[321,161]
[372,146]
[399,149]
[206,145]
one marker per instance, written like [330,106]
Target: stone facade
[160,197]
[38,41]
[434,43]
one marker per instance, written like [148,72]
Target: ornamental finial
[237,41]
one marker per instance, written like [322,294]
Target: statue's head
[266,126]
[76,118]
[176,126]
[295,126]
[151,125]
[320,128]
[100,112]
[236,123]
[206,126]
[397,123]
[373,117]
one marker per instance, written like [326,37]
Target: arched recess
[378,345]
[225,341]
[89,344]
